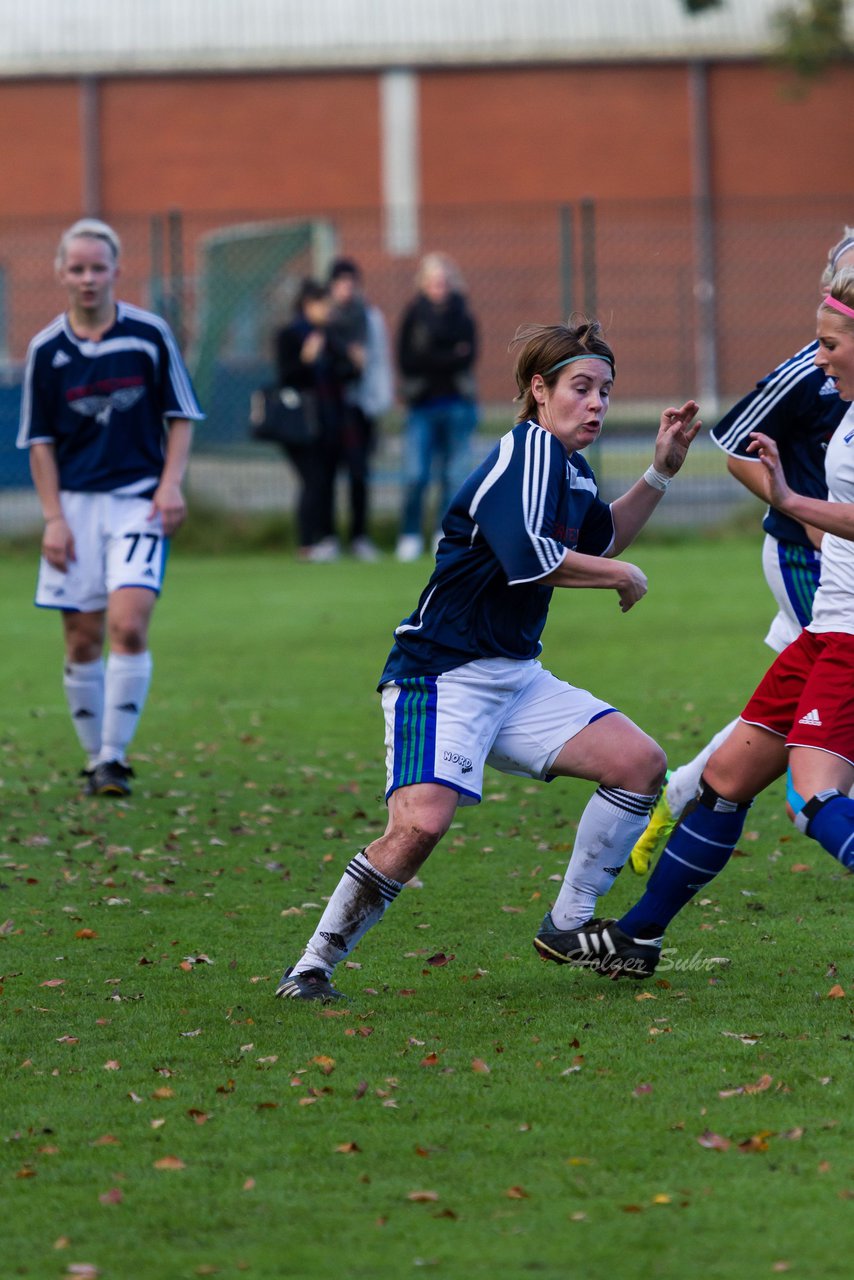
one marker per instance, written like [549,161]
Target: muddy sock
[358,903]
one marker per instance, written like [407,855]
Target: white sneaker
[364,549]
[409,547]
[323,552]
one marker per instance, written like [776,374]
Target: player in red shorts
[799,721]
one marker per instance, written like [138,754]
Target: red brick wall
[554,133]
[302,142]
[40,170]
[259,143]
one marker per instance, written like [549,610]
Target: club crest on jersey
[101,407]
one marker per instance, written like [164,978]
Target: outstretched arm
[831,517]
[751,473]
[675,434]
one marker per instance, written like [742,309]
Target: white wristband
[655,479]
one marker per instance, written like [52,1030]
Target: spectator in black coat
[312,359]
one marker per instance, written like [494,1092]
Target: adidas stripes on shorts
[807,695]
[116,545]
[514,716]
[792,573]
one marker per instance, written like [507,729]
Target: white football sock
[125,688]
[684,782]
[358,903]
[610,825]
[83,683]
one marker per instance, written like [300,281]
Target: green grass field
[472,1112]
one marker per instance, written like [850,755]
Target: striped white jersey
[103,404]
[798,406]
[833,607]
[507,528]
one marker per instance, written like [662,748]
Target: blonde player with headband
[799,407]
[799,720]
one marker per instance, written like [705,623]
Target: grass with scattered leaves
[471,1112]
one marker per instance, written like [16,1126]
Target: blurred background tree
[811,33]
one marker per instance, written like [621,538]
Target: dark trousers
[316,464]
[357,441]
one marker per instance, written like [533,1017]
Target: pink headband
[839,306]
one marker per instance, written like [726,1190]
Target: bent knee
[643,771]
[422,837]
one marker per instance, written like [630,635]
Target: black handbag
[284,415]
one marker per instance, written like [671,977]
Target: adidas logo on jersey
[60,359]
[829,388]
[811,718]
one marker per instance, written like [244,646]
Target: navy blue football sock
[829,818]
[698,849]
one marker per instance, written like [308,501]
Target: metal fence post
[588,254]
[566,216]
[176,274]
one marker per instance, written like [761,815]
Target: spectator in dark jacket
[311,358]
[436,352]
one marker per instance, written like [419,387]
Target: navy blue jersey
[508,527]
[799,407]
[102,404]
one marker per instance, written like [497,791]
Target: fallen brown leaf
[169,1162]
[714,1141]
[423,1197]
[759,1142]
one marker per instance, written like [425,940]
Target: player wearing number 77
[106,413]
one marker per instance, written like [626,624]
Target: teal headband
[590,355]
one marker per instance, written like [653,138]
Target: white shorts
[792,573]
[515,716]
[116,545]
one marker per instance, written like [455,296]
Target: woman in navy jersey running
[463,686]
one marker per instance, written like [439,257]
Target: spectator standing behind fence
[310,357]
[362,329]
[436,351]
[106,413]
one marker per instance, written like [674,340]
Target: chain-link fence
[697,300]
